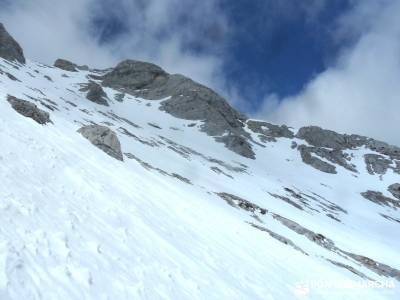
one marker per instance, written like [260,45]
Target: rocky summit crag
[9,48]
[185,99]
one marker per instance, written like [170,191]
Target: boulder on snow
[394,189]
[103,138]
[9,48]
[29,110]
[95,93]
[66,65]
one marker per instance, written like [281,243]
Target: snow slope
[78,224]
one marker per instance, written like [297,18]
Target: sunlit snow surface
[78,224]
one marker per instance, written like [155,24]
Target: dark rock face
[380,199]
[315,162]
[29,110]
[95,93]
[394,189]
[131,75]
[237,144]
[269,132]
[335,156]
[322,138]
[279,237]
[319,137]
[65,65]
[376,164]
[374,266]
[186,100]
[103,138]
[9,48]
[239,202]
[317,238]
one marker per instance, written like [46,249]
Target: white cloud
[360,93]
[156,31]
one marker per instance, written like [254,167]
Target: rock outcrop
[95,93]
[66,65]
[376,164]
[185,99]
[394,189]
[269,132]
[131,75]
[103,138]
[380,199]
[318,137]
[29,110]
[9,48]
[308,158]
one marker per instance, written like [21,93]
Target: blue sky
[332,63]
[266,49]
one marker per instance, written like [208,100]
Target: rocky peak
[131,75]
[9,48]
[187,100]
[66,65]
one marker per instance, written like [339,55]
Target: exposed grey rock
[239,202]
[28,109]
[9,48]
[376,267]
[279,237]
[154,125]
[293,145]
[95,93]
[394,189]
[119,97]
[287,200]
[312,236]
[380,199]
[335,156]
[376,164]
[268,131]
[83,68]
[390,218]
[186,152]
[185,99]
[116,117]
[140,140]
[103,138]
[65,65]
[383,148]
[219,171]
[237,144]
[131,75]
[146,165]
[181,178]
[319,137]
[315,162]
[12,77]
[350,268]
[162,172]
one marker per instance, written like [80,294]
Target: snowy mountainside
[199,206]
